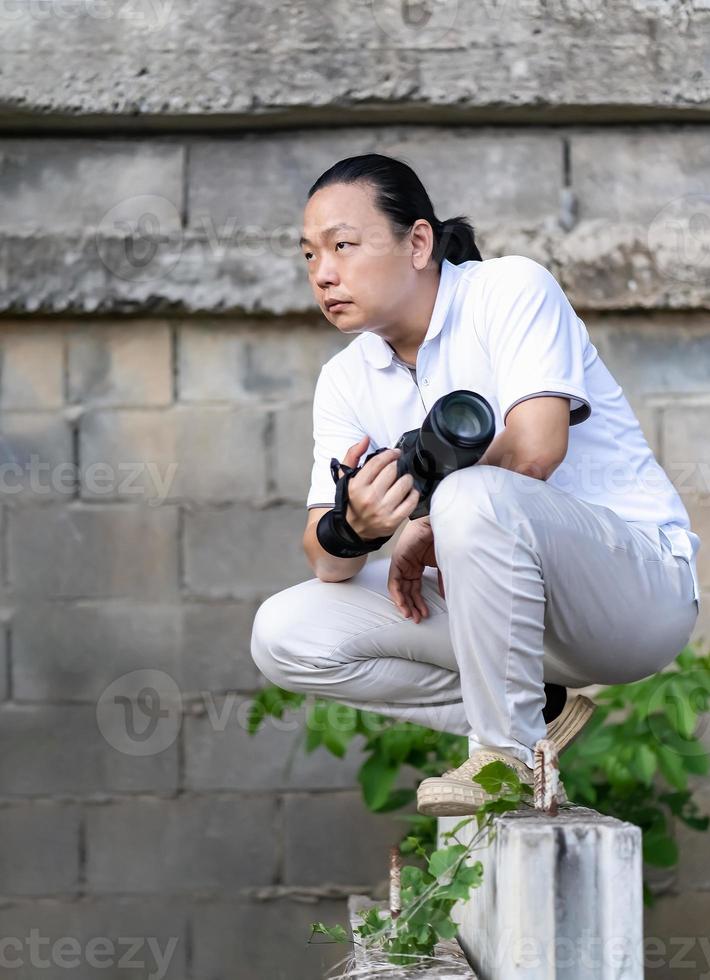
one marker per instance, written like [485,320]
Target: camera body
[455,433]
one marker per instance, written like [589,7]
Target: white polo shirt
[505,329]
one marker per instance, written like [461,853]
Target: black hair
[400,194]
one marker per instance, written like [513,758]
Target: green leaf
[671,766]
[376,777]
[335,932]
[495,775]
[443,859]
[644,763]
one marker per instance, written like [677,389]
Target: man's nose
[326,273]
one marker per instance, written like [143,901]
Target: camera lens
[464,418]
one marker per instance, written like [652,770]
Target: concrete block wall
[158,352]
[120,585]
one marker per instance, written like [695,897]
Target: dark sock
[556,698]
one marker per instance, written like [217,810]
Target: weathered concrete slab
[601,266]
[143,60]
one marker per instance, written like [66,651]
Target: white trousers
[540,586]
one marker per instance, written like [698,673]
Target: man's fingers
[398,596]
[378,463]
[407,506]
[399,490]
[418,599]
[355,452]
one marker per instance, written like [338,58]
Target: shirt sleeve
[535,341]
[335,430]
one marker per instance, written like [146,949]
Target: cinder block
[675,932]
[32,367]
[698,507]
[215,648]
[260,183]
[244,552]
[632,176]
[293,452]
[477,172]
[54,184]
[203,647]
[135,939]
[39,849]
[334,837]
[184,453]
[112,550]
[223,931]
[185,845]
[263,183]
[73,652]
[127,363]
[685,448]
[659,355]
[36,459]
[220,754]
[253,363]
[59,749]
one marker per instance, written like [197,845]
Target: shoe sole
[571,721]
[437,797]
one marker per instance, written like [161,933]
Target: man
[563,556]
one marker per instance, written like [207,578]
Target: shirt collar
[378,352]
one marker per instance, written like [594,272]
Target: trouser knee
[269,639]
[476,494]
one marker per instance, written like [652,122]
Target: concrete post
[561,897]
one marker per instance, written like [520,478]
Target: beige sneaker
[455,794]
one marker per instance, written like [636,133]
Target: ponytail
[400,194]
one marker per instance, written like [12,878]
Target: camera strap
[333,531]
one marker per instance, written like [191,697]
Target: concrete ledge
[600,266]
[150,59]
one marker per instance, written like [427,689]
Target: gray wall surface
[159,346]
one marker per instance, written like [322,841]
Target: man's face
[362,263]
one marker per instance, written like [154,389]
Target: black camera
[455,433]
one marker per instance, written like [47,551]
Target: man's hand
[413,552]
[378,502]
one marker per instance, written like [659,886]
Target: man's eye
[306,254]
[341,243]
